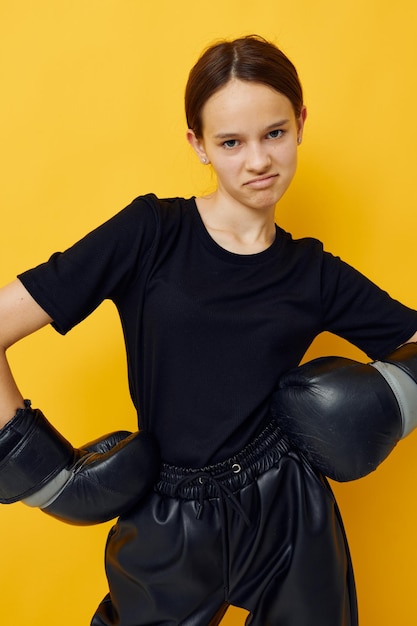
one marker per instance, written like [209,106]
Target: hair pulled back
[250,58]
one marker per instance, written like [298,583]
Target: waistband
[229,475]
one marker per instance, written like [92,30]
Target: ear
[300,123]
[198,146]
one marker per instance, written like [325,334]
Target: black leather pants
[261,531]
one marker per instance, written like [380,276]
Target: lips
[262,182]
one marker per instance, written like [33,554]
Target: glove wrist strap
[32,452]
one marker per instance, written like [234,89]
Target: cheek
[225,168]
[287,155]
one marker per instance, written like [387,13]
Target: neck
[239,229]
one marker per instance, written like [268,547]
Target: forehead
[240,103]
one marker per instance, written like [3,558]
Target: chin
[266,200]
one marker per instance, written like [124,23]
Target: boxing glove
[90,485]
[346,417]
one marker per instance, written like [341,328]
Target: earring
[204,160]
[299,140]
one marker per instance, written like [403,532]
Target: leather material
[32,452]
[343,415]
[276,548]
[108,478]
[405,357]
[89,485]
[405,390]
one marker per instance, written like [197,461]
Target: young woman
[216,303]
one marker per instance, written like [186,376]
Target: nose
[257,158]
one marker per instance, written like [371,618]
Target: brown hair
[250,58]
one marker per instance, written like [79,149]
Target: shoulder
[146,218]
[298,245]
[304,250]
[307,260]
[169,215]
[161,208]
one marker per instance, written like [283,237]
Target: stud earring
[299,140]
[204,160]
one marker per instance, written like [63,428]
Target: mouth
[262,182]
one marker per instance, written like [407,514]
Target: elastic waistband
[234,473]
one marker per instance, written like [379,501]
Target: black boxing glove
[90,485]
[346,417]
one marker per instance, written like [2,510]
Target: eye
[230,143]
[276,134]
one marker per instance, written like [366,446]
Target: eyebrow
[234,134]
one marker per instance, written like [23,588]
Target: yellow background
[91,115]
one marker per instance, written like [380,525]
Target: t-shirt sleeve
[71,284]
[361,312]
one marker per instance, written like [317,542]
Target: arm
[20,316]
[81,486]
[412,339]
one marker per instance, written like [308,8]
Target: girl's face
[250,135]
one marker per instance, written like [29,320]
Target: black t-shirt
[209,332]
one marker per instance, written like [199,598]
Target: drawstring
[224,480]
[224,495]
[221,491]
